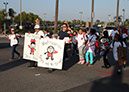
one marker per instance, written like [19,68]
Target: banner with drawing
[51,53]
[31,47]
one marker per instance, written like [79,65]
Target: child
[74,42]
[124,36]
[13,43]
[104,44]
[115,45]
[91,47]
[80,38]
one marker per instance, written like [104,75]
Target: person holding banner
[63,35]
[13,43]
[41,33]
[38,31]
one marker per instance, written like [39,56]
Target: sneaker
[19,57]
[87,63]
[50,70]
[79,62]
[82,62]
[90,65]
[11,59]
[31,67]
[119,71]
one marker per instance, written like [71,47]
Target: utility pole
[109,17]
[5,3]
[80,17]
[123,16]
[20,14]
[92,13]
[56,16]
[117,15]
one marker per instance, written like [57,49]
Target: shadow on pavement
[110,83]
[11,64]
[67,64]
[4,45]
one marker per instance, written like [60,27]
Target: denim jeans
[14,50]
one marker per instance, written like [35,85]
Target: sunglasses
[64,27]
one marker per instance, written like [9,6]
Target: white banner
[51,53]
[31,47]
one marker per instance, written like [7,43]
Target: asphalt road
[15,76]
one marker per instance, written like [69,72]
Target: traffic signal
[10,12]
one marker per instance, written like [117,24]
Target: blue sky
[69,9]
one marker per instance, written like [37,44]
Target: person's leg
[16,51]
[106,63]
[125,41]
[12,52]
[87,57]
[119,67]
[91,58]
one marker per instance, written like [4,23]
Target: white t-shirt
[48,37]
[124,35]
[116,45]
[92,38]
[13,40]
[41,33]
[113,34]
[80,38]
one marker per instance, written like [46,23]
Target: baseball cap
[12,29]
[37,27]
[50,33]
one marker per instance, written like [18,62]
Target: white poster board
[31,47]
[51,53]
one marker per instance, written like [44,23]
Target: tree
[119,19]
[2,18]
[97,22]
[27,17]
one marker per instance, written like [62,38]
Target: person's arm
[42,34]
[7,37]
[58,37]
[70,39]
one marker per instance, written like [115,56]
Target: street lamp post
[123,16]
[20,14]
[109,17]
[5,3]
[80,17]
[92,13]
[117,15]
[56,16]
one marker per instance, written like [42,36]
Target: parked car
[109,29]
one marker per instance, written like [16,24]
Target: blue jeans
[91,57]
[14,51]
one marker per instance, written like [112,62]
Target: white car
[109,29]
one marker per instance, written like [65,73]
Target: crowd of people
[86,43]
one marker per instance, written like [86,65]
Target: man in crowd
[41,33]
[63,35]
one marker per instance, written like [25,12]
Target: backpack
[17,38]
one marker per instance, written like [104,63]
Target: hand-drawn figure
[50,52]
[32,46]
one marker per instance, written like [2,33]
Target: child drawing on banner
[50,52]
[32,46]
